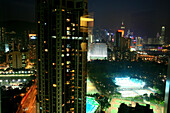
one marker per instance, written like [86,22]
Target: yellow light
[68,28]
[86,19]
[54,85]
[68,62]
[67,49]
[46,50]
[68,20]
[32,35]
[22,94]
[68,82]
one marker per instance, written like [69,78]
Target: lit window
[68,20]
[54,85]
[68,102]
[63,10]
[68,33]
[67,54]
[44,42]
[53,36]
[39,22]
[68,70]
[73,29]
[68,82]
[73,24]
[64,37]
[68,62]
[67,49]
[46,50]
[68,37]
[62,55]
[62,64]
[54,64]
[71,109]
[80,38]
[68,28]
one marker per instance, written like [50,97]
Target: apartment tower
[61,55]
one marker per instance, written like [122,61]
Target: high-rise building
[62,55]
[162,37]
[2,39]
[32,47]
[98,51]
[17,59]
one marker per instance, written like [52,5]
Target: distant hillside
[18,26]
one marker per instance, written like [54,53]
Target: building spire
[122,26]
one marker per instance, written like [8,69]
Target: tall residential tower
[62,55]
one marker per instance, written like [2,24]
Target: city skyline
[145,18]
[84,56]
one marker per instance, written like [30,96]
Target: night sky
[144,17]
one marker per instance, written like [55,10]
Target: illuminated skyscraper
[62,55]
[122,26]
[162,37]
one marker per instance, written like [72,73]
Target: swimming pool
[91,105]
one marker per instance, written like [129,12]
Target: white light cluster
[128,82]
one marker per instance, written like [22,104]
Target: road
[28,103]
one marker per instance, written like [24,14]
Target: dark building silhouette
[137,109]
[62,55]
